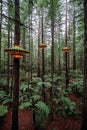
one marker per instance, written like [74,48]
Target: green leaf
[24,105]
[3,110]
[43,107]
[35,97]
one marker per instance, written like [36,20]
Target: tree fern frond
[43,107]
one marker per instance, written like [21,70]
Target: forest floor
[70,123]
[26,120]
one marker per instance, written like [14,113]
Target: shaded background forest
[66,21]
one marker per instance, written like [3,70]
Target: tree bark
[0,31]
[52,55]
[74,43]
[84,118]
[38,72]
[66,53]
[43,64]
[8,58]
[59,52]
[16,71]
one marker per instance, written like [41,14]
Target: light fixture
[16,51]
[66,49]
[42,46]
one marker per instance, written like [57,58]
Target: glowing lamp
[66,49]
[16,51]
[42,46]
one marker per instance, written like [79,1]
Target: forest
[43,64]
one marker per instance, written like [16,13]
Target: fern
[35,97]
[5,98]
[25,105]
[42,107]
[48,78]
[6,101]
[41,114]
[23,96]
[3,110]
[66,107]
[78,87]
[3,82]
[36,80]
[2,94]
[24,87]
[47,84]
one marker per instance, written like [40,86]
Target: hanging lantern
[66,49]
[16,51]
[42,46]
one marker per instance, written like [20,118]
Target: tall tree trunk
[29,21]
[31,48]
[74,44]
[66,53]
[59,54]
[43,64]
[66,26]
[16,70]
[52,54]
[30,57]
[38,72]
[8,58]
[29,51]
[69,41]
[84,118]
[0,30]
[23,43]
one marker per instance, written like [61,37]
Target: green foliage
[58,91]
[43,3]
[35,98]
[46,84]
[41,114]
[37,84]
[5,99]
[2,94]
[56,79]
[68,90]
[3,67]
[23,75]
[24,105]
[42,107]
[78,87]
[60,78]
[77,82]
[36,80]
[3,82]
[76,73]
[66,107]
[3,110]
[48,78]
[24,87]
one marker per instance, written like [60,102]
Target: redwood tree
[84,121]
[43,62]
[52,54]
[38,72]
[0,29]
[16,70]
[74,40]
